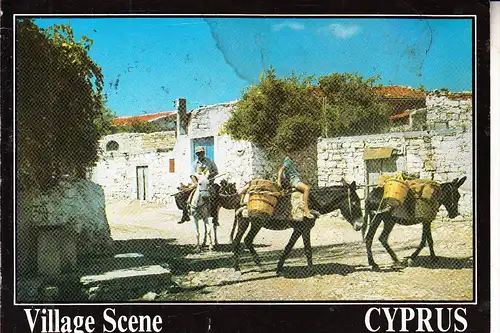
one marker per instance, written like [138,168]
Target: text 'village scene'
[244,159]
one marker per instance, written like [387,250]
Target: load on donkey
[407,200]
[267,205]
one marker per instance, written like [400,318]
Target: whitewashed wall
[443,155]
[116,170]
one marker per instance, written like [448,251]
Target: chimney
[181,117]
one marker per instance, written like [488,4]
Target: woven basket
[395,191]
[263,197]
[231,201]
[261,204]
[430,190]
[426,209]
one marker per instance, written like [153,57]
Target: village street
[148,234]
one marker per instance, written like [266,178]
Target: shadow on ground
[166,255]
[443,262]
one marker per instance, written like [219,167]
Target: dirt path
[340,264]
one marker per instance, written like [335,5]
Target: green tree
[291,113]
[352,106]
[60,111]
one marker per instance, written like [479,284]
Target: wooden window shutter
[171,165]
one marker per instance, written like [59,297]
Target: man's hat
[199,149]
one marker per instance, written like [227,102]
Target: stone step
[123,275]
[127,283]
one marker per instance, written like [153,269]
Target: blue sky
[149,62]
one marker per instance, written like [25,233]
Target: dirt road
[340,264]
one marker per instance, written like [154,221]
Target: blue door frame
[207,143]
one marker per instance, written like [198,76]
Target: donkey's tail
[235,222]
[366,221]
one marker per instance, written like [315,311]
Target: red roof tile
[400,115]
[400,92]
[143,118]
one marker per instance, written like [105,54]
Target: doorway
[142,182]
[207,143]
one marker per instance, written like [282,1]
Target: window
[171,165]
[112,146]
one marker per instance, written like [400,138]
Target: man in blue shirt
[290,171]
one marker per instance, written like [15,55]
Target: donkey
[323,200]
[199,208]
[182,202]
[448,196]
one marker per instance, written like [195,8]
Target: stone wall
[208,120]
[139,142]
[444,112]
[441,155]
[116,171]
[72,207]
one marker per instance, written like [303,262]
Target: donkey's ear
[460,182]
[353,185]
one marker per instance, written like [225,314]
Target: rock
[150,296]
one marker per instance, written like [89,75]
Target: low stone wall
[74,208]
[441,155]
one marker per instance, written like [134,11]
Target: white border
[229,303]
[495,161]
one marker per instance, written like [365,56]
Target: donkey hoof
[197,249]
[375,267]
[409,262]
[279,272]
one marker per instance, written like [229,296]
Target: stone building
[151,166]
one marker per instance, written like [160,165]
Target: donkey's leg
[197,228]
[254,229]
[384,236]
[242,227]
[420,246]
[205,231]
[430,242]
[375,222]
[295,235]
[208,230]
[216,242]
[306,237]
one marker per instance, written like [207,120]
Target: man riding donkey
[290,173]
[200,165]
